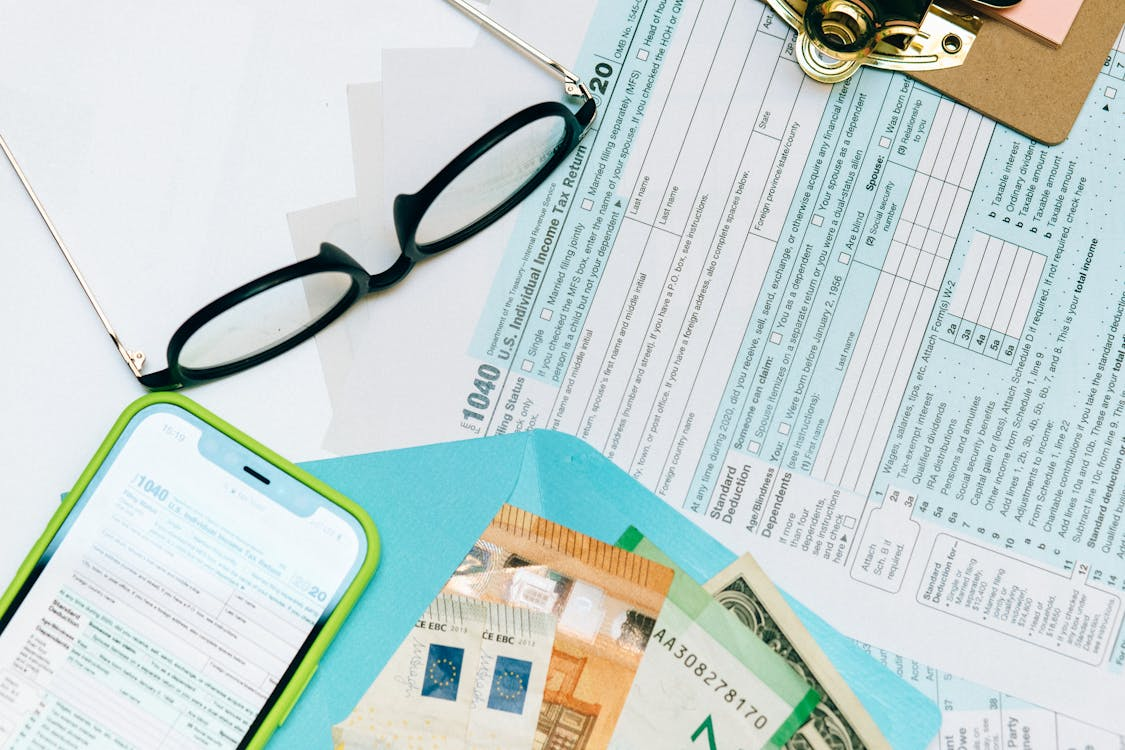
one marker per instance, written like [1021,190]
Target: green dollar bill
[705,680]
[839,722]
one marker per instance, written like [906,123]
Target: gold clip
[836,37]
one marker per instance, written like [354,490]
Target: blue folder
[432,503]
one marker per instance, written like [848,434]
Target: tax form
[977,716]
[859,331]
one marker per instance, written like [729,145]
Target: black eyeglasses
[275,312]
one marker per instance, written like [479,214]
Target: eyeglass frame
[408,211]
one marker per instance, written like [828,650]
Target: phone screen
[176,599]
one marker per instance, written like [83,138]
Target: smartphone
[182,595]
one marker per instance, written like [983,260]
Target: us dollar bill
[839,721]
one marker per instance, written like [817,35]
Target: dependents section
[717,163]
[840,318]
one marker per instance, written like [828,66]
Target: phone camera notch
[256,475]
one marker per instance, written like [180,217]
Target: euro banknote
[469,675]
[605,599]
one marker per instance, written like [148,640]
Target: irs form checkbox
[783,428]
[587,204]
[754,446]
[845,258]
[642,54]
[884,142]
[547,313]
[817,220]
[775,338]
[1110,92]
[527,365]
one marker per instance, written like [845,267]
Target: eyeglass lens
[491,179]
[265,320]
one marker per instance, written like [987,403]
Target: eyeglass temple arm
[571,83]
[135,359]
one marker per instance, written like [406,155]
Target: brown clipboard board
[1031,87]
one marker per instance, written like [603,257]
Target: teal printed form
[1013,419]
[983,717]
[860,331]
[535,315]
[959,379]
[856,269]
[929,393]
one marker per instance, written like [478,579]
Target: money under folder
[433,503]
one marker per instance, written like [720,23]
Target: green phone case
[305,670]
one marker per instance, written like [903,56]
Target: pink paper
[1050,20]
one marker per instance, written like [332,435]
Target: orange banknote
[606,601]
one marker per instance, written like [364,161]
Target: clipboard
[432,503]
[1031,87]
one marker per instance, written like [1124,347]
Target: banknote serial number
[709,677]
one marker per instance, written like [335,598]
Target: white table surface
[168,141]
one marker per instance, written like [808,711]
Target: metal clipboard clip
[836,37]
